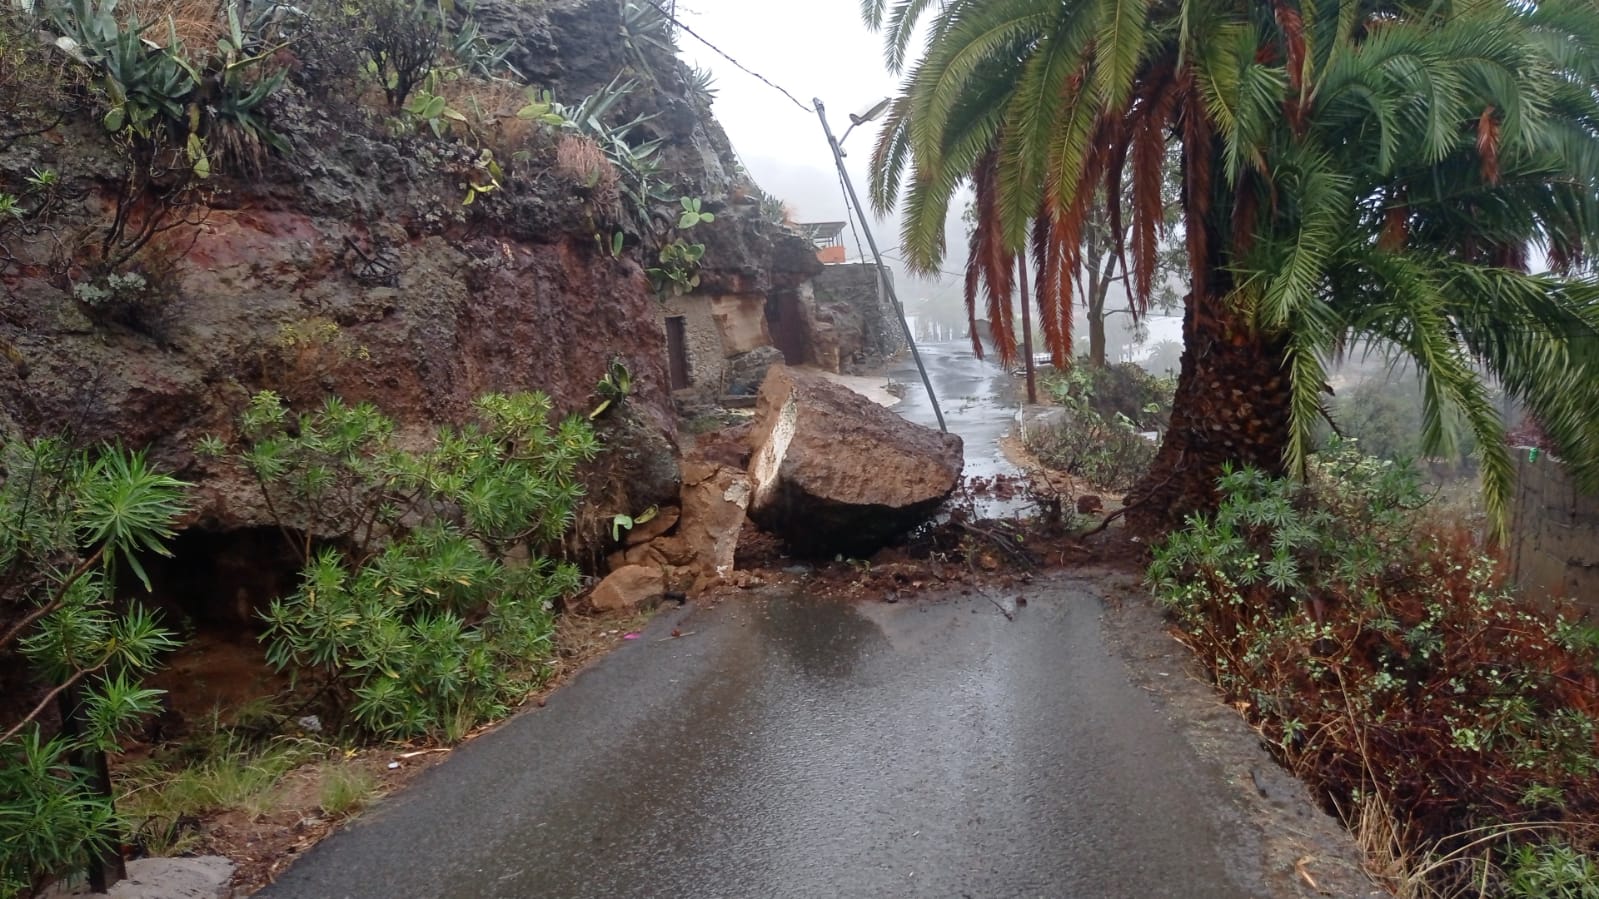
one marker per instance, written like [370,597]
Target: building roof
[821,232]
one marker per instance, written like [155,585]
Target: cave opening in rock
[217,582]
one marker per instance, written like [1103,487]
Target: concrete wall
[1554,533]
[707,359]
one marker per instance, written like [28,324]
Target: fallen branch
[1005,543]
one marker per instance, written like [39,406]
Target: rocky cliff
[349,263]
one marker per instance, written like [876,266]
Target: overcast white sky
[814,49]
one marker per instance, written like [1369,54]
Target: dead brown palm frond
[970,287]
[1047,288]
[1197,158]
[1488,145]
[1396,224]
[992,263]
[1157,104]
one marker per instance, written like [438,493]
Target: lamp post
[882,270]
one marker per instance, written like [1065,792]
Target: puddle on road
[821,638]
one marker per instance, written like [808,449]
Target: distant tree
[1164,356]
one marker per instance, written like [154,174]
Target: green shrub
[401,40]
[69,524]
[1385,416]
[1104,410]
[1551,871]
[1383,655]
[1145,400]
[165,97]
[1106,453]
[430,608]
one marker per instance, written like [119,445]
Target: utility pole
[882,271]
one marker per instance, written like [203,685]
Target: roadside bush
[1107,453]
[1385,658]
[430,608]
[1124,389]
[70,523]
[1098,435]
[1550,871]
[1385,415]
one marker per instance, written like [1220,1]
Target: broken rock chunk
[833,472]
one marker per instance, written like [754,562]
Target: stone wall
[742,321]
[1554,533]
[707,357]
[859,327]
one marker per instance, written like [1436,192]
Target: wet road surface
[979,401]
[794,747]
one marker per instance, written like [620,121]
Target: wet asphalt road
[979,401]
[795,747]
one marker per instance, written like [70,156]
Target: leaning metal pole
[882,270]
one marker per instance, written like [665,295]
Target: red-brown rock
[628,587]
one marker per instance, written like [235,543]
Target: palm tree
[1352,171]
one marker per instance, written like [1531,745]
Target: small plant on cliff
[29,214]
[615,387]
[69,524]
[679,269]
[34,92]
[401,41]
[435,611]
[637,162]
[160,97]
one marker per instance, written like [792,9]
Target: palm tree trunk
[1231,406]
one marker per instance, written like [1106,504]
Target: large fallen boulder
[833,472]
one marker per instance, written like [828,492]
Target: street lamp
[861,118]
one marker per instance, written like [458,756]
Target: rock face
[854,326]
[835,472]
[694,548]
[715,500]
[746,371]
[351,266]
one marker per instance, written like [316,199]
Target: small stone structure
[1554,533]
[839,319]
[707,359]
